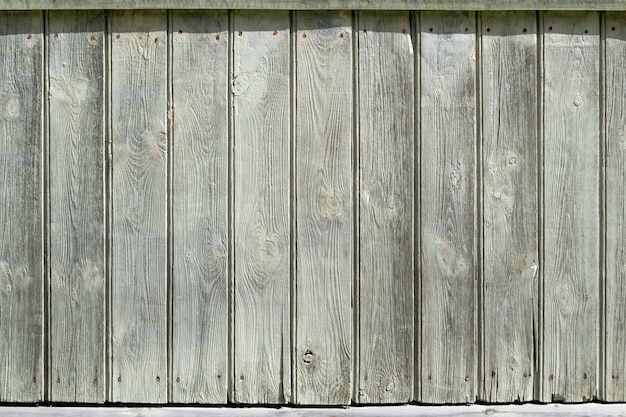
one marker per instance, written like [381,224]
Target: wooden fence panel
[76,42]
[324,210]
[571,258]
[261,120]
[615,168]
[510,205]
[386,221]
[448,208]
[139,198]
[21,228]
[199,207]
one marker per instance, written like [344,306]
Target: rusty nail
[275,32]
[616,378]
[177,379]
[488,29]
[34,379]
[550,28]
[241,378]
[430,378]
[467,377]
[95,381]
[341,35]
[551,377]
[585,375]
[493,374]
[58,380]
[29,36]
[365,378]
[524,30]
[403,30]
[525,375]
[240,33]
[406,377]
[466,30]
[304,36]
[613,28]
[117,36]
[93,38]
[586,31]
[156,40]
[158,379]
[119,379]
[56,36]
[180,32]
[219,376]
[365,31]
[217,37]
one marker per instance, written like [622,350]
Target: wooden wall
[312,207]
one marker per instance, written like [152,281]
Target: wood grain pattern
[325,219]
[200,207]
[386,179]
[76,178]
[571,206]
[615,218]
[139,197]
[261,117]
[21,203]
[510,205]
[448,182]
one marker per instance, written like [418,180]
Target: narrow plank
[510,205]
[261,117]
[448,182]
[21,203]
[571,206]
[139,198]
[386,178]
[615,217]
[325,219]
[77,265]
[200,207]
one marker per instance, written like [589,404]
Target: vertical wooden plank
[386,178]
[571,206]
[261,117]
[77,264]
[324,212]
[139,198]
[510,205]
[200,206]
[448,182]
[615,169]
[21,199]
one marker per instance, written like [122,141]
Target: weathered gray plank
[21,202]
[319,4]
[76,177]
[386,180]
[261,117]
[571,206]
[324,211]
[510,205]
[448,181]
[139,198]
[200,207]
[615,169]
[526,410]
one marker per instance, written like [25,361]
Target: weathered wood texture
[571,258]
[448,209]
[139,198]
[77,206]
[200,207]
[261,118]
[615,218]
[324,208]
[21,204]
[319,4]
[386,220]
[510,205]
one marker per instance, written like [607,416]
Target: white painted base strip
[526,410]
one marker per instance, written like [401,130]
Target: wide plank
[571,206]
[77,206]
[510,206]
[200,207]
[21,207]
[139,199]
[261,119]
[615,217]
[324,208]
[448,209]
[386,106]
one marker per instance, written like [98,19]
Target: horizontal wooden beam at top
[317,4]
[527,410]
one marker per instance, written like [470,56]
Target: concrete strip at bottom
[526,410]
